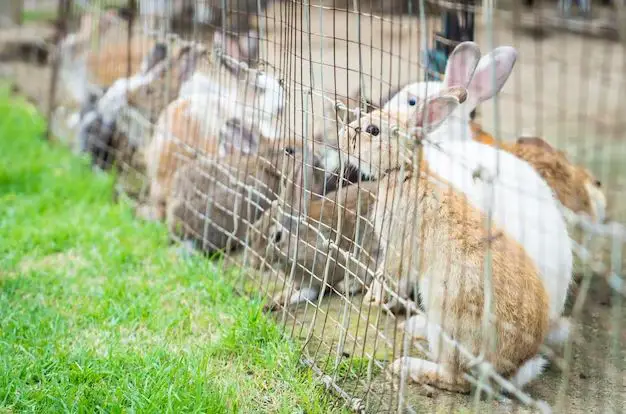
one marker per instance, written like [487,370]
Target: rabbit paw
[375,295]
[426,372]
[290,297]
[348,289]
[416,326]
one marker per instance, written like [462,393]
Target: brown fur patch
[452,247]
[567,180]
[111,62]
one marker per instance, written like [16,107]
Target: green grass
[39,15]
[99,314]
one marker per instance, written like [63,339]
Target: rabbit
[575,186]
[376,125]
[439,244]
[162,75]
[212,124]
[519,201]
[448,245]
[447,240]
[288,236]
[522,203]
[214,201]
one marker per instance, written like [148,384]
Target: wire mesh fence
[425,259]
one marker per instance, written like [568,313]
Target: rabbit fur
[213,124]
[215,201]
[496,182]
[446,261]
[448,226]
[574,185]
[307,241]
[147,91]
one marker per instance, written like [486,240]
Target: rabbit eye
[290,151]
[372,130]
[277,236]
[412,101]
[598,183]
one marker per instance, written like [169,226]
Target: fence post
[63,13]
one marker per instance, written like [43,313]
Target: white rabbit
[523,204]
[247,91]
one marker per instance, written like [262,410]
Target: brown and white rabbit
[214,201]
[502,185]
[287,235]
[214,123]
[432,236]
[575,186]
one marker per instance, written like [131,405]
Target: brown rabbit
[432,237]
[215,201]
[284,231]
[575,186]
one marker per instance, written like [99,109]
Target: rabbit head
[164,72]
[302,182]
[214,201]
[575,186]
[465,68]
[289,235]
[376,143]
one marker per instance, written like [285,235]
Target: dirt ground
[565,87]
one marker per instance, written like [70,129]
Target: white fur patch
[529,371]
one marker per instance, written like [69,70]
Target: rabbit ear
[156,56]
[501,59]
[431,114]
[299,191]
[188,60]
[249,46]
[461,65]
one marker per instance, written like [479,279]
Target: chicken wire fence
[416,253]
